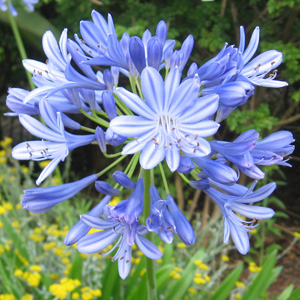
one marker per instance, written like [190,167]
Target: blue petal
[153,89]
[135,103]
[147,247]
[183,226]
[124,263]
[97,241]
[252,47]
[131,126]
[151,155]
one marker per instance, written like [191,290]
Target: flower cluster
[165,116]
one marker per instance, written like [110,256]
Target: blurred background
[212,23]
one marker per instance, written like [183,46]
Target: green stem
[111,166]
[151,278]
[112,155]
[87,129]
[184,178]
[20,45]
[122,106]
[163,175]
[96,120]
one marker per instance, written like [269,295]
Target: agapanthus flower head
[172,118]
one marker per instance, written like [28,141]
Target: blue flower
[80,229]
[236,202]
[39,200]
[130,53]
[121,222]
[166,219]
[172,118]
[56,142]
[246,152]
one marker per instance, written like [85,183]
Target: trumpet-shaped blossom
[246,152]
[41,199]
[56,142]
[166,219]
[80,229]
[237,202]
[171,119]
[121,222]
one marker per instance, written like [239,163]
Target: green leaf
[110,281]
[286,293]
[295,295]
[228,284]
[76,269]
[133,280]
[179,287]
[262,280]
[163,276]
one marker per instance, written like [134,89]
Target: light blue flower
[166,219]
[41,199]
[55,144]
[246,152]
[236,202]
[121,222]
[171,119]
[80,229]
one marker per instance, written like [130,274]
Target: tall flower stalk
[172,118]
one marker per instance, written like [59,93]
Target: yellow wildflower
[114,201]
[36,268]
[1,224]
[178,269]
[7,297]
[181,245]
[34,279]
[96,293]
[7,205]
[58,290]
[49,246]
[2,210]
[159,261]
[199,280]
[15,224]
[237,296]
[143,272]
[296,234]
[192,290]
[24,169]
[87,296]
[240,284]
[6,142]
[18,273]
[225,258]
[44,163]
[207,278]
[75,296]
[19,206]
[27,297]
[253,267]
